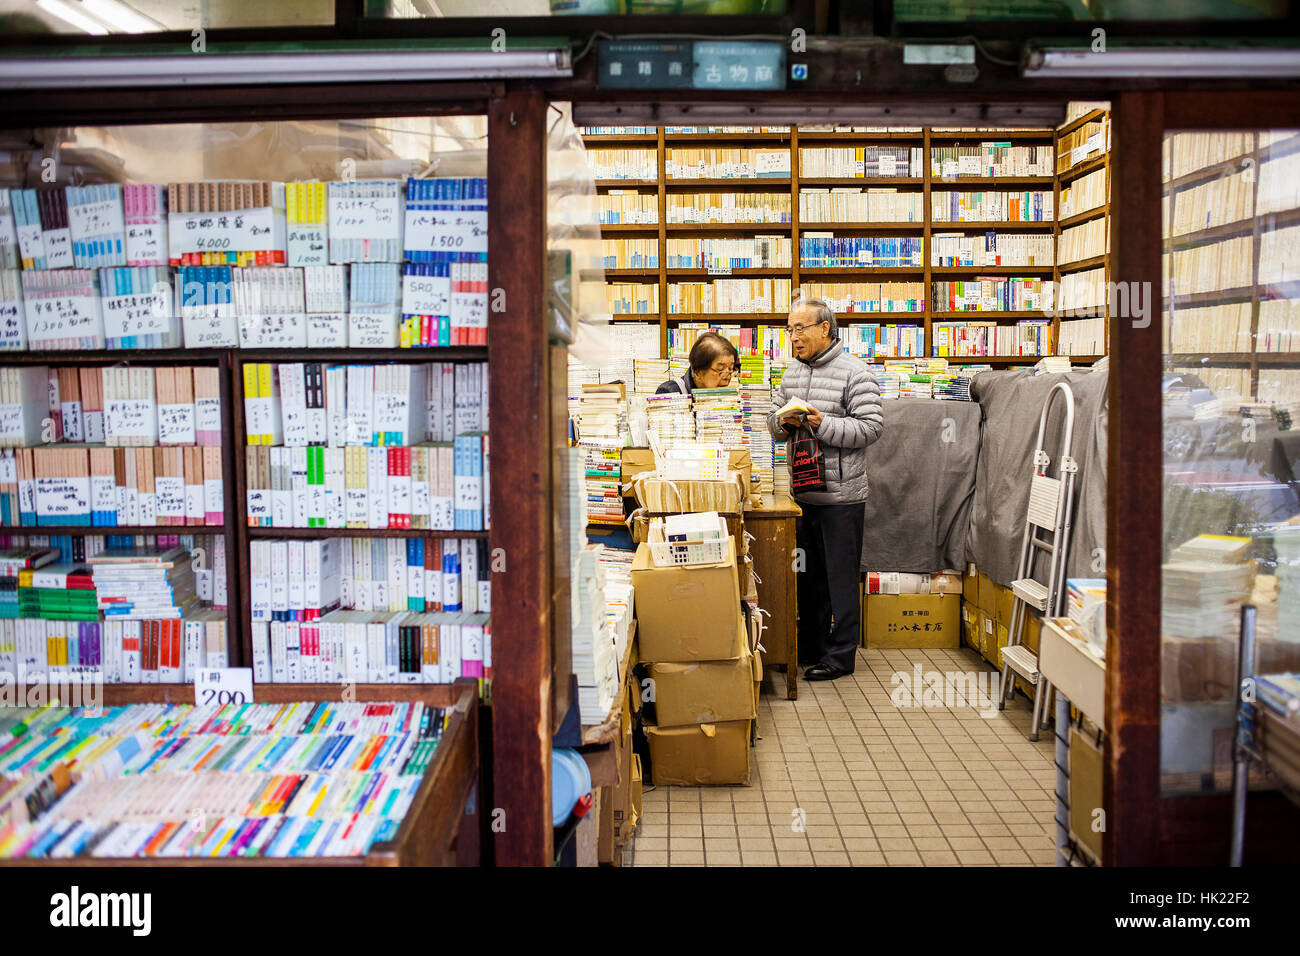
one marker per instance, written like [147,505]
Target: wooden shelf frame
[926,228]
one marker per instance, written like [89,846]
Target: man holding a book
[835,395]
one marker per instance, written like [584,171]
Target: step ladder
[1051,501]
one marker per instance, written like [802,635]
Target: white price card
[327,331]
[247,230]
[223,686]
[446,230]
[425,295]
[369,217]
[373,330]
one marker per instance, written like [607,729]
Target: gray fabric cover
[842,388]
[1012,402]
[922,485]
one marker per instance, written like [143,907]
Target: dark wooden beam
[521,493]
[1135,466]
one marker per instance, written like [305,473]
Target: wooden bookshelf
[924,184]
[1064,177]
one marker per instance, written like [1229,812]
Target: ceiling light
[70,13]
[122,17]
[216,69]
[1182,62]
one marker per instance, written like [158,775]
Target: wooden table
[773,528]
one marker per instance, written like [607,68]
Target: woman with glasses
[713,362]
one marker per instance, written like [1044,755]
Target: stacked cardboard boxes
[986,619]
[911,610]
[700,663]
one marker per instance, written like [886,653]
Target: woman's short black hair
[708,348]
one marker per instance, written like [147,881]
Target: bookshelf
[535,678]
[924,186]
[1234,189]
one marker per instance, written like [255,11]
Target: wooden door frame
[1142,826]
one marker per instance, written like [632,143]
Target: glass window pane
[1231,450]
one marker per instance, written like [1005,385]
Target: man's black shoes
[824,672]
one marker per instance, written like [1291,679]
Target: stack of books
[57,592]
[595,660]
[13,562]
[953,388]
[755,406]
[1204,584]
[143,583]
[1286,542]
[669,418]
[601,414]
[602,475]
[718,417]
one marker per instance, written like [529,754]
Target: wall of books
[244,410]
[1231,224]
[1231,393]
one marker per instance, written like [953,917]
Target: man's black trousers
[830,539]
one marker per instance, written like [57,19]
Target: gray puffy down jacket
[842,388]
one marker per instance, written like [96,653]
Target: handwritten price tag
[223,686]
[308,246]
[273,331]
[327,331]
[376,217]
[146,244]
[425,295]
[372,330]
[463,230]
[136,314]
[249,230]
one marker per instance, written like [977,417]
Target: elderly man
[846,416]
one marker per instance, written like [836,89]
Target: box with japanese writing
[913,620]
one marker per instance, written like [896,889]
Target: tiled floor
[842,776]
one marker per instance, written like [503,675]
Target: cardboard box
[704,692]
[1085,790]
[686,613]
[605,829]
[638,460]
[1033,628]
[946,582]
[970,586]
[988,594]
[862,614]
[913,620]
[702,754]
[970,625]
[636,785]
[988,628]
[1004,600]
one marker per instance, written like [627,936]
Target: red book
[393,472]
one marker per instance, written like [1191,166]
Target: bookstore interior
[766,468]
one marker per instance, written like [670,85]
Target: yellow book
[251,395]
[265,392]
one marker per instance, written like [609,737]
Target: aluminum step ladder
[1051,502]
